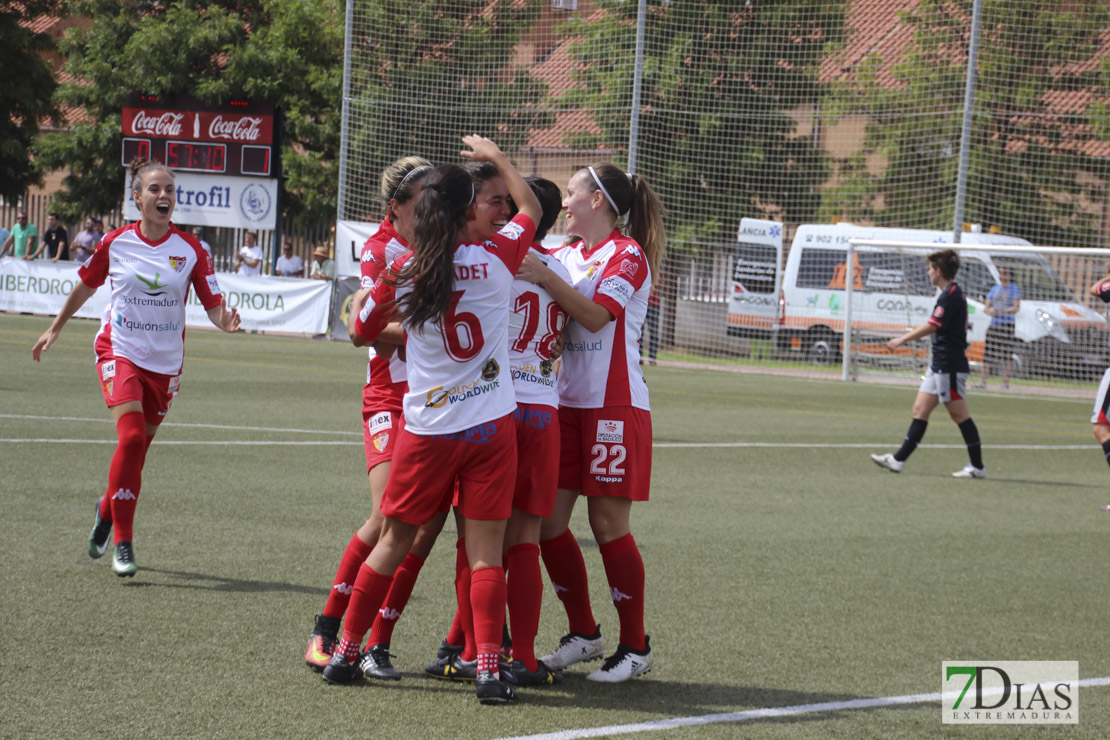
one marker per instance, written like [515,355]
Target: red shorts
[380,431]
[482,458]
[606,452]
[122,382]
[537,467]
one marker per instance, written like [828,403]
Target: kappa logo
[388,613]
[123,494]
[344,588]
[618,596]
[178,263]
[633,250]
[558,588]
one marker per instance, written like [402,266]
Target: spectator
[1002,304]
[198,232]
[248,260]
[84,244]
[98,232]
[4,234]
[289,264]
[322,267]
[22,237]
[55,240]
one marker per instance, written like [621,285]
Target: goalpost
[1061,337]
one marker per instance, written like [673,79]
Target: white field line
[656,445]
[765,713]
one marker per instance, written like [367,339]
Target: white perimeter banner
[294,305]
[217,200]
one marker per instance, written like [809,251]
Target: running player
[140,347]
[946,379]
[604,413]
[382,422]
[451,295]
[1100,424]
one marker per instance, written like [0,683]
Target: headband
[401,185]
[593,173]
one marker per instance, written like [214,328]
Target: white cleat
[624,664]
[970,471]
[887,461]
[575,648]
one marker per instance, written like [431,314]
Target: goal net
[1032,325]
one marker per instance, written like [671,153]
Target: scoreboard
[187,136]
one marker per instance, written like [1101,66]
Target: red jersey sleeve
[371,261]
[380,307]
[204,275]
[623,275]
[95,270]
[514,240]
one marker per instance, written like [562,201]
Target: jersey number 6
[462,331]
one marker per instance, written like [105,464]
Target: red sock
[567,570]
[466,615]
[525,594]
[125,476]
[625,570]
[368,594]
[457,635]
[403,581]
[487,599]
[353,558]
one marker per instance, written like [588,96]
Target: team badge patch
[593,269]
[178,263]
[629,269]
[381,441]
[610,431]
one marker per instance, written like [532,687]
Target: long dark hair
[632,196]
[551,201]
[441,210]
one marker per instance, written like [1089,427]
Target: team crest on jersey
[491,370]
[178,263]
[381,441]
[593,269]
[610,430]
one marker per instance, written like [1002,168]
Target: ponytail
[441,210]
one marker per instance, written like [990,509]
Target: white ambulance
[891,293]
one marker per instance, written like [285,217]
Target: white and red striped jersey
[601,369]
[385,378]
[535,322]
[458,368]
[144,321]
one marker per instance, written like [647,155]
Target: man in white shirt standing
[289,264]
[198,232]
[248,261]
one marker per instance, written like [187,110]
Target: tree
[26,95]
[1031,167]
[427,74]
[285,52]
[719,81]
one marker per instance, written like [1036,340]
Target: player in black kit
[946,379]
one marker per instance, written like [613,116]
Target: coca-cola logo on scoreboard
[156,123]
[244,128]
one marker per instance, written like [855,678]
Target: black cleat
[375,663]
[543,676]
[340,671]
[455,669]
[447,651]
[491,690]
[98,538]
[322,642]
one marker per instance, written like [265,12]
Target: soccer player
[382,423]
[604,411]
[151,265]
[1100,424]
[946,379]
[451,295]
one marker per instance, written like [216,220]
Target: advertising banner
[218,200]
[293,305]
[349,238]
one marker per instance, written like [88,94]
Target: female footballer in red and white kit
[451,295]
[151,266]
[604,414]
[382,421]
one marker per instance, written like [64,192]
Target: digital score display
[234,140]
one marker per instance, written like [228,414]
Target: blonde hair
[394,176]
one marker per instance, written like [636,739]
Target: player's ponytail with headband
[441,210]
[631,196]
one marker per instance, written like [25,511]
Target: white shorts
[945,386]
[1102,400]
